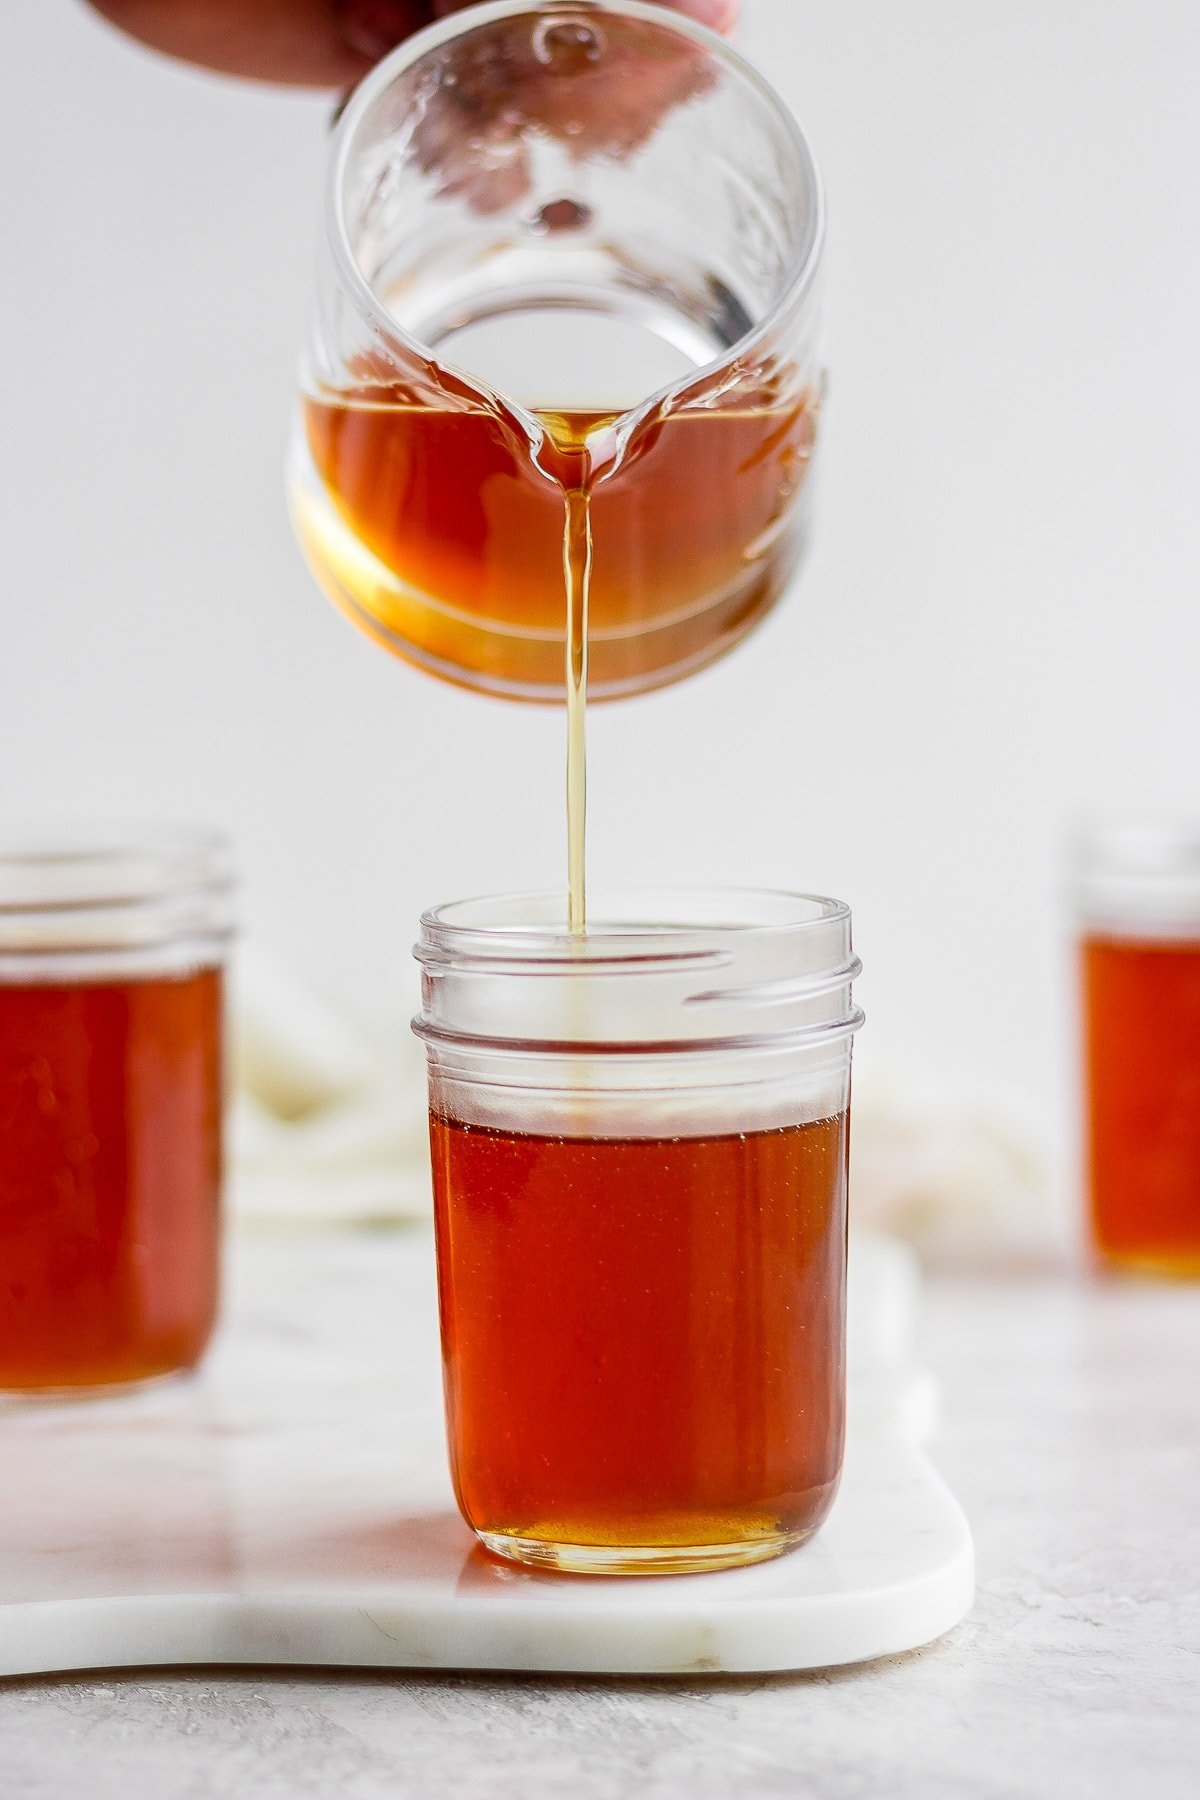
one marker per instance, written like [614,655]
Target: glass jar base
[641,1559]
[1151,1265]
[13,1397]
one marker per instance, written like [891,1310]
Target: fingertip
[374,27]
[719,15]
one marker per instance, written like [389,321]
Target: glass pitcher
[569,248]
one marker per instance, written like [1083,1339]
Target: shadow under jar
[640,1184]
[112,956]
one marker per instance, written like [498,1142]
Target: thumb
[721,15]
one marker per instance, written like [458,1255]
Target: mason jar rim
[1137,875]
[658,972]
[77,897]
[94,864]
[805,259]
[614,935]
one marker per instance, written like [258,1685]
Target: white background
[1001,624]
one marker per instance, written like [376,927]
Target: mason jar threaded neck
[1137,878]
[93,901]
[677,972]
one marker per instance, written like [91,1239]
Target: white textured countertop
[1072,1434]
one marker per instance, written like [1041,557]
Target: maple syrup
[440,532]
[561,395]
[642,1337]
[112,951]
[110,1179]
[563,566]
[1137,897]
[639,1143]
[1142,1076]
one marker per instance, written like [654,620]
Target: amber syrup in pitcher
[440,534]
[563,550]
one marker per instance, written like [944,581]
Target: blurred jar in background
[112,953]
[1137,895]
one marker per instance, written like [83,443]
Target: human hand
[306,43]
[477,131]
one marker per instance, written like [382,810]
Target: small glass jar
[1137,902]
[112,952]
[640,1182]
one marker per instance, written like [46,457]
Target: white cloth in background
[329,1126]
[965,1177]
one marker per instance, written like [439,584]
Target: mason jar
[112,958]
[640,1182]
[1137,910]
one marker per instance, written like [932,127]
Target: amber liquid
[577,576]
[1142,1079]
[561,568]
[110,1165]
[440,532]
[643,1339]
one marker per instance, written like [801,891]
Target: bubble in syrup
[562,215]
[567,46]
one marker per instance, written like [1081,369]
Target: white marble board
[291,1505]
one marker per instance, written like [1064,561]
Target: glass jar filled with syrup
[112,954]
[640,1182]
[1137,900]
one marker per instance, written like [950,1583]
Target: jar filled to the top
[1137,906]
[112,955]
[640,1186]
